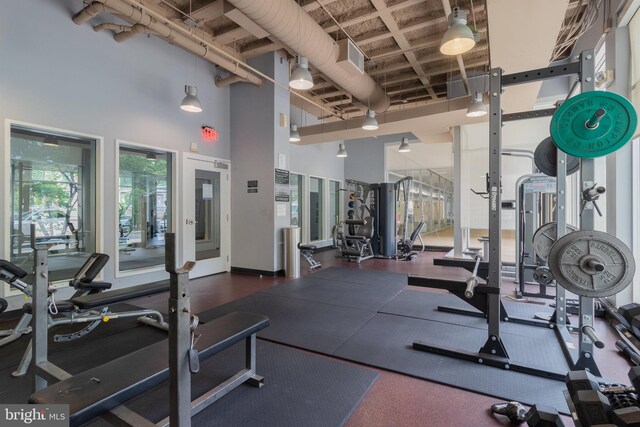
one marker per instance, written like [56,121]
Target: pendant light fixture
[476,107]
[342,152]
[370,122]
[294,135]
[404,145]
[459,38]
[191,103]
[300,76]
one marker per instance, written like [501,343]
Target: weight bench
[307,252]
[93,309]
[106,387]
[357,245]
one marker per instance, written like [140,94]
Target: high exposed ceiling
[400,41]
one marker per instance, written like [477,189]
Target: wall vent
[350,57]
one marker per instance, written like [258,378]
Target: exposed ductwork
[286,21]
[146,23]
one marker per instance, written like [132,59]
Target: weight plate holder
[591,263]
[545,237]
[545,158]
[593,124]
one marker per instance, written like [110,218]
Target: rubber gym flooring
[370,317]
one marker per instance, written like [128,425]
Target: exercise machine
[587,263]
[82,282]
[103,390]
[307,253]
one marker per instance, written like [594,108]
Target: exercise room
[319,213]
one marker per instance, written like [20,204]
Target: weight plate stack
[545,237]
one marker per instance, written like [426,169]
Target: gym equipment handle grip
[591,333]
[628,351]
[472,281]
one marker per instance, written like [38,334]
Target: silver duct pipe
[137,16]
[229,80]
[286,21]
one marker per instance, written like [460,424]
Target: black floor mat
[364,297]
[311,325]
[386,342]
[362,276]
[301,389]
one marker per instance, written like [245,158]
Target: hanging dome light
[342,152]
[191,103]
[476,107]
[404,145]
[294,135]
[370,122]
[459,38]
[300,76]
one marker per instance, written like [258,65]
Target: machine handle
[591,333]
[472,281]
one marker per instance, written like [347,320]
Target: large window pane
[316,209]
[53,181]
[144,206]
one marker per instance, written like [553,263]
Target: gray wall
[55,73]
[365,160]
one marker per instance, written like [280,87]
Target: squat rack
[493,352]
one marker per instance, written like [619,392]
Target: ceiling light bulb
[191,103]
[370,122]
[459,38]
[342,152]
[404,145]
[294,135]
[300,76]
[476,107]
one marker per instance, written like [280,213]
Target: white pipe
[229,80]
[112,27]
[135,30]
[290,24]
[137,16]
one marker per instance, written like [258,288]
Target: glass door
[206,216]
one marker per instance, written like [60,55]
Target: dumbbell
[543,416]
[592,406]
[584,380]
[626,417]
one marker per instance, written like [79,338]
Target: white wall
[421,156]
[522,134]
[55,73]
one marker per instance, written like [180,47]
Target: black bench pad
[137,372]
[111,297]
[12,268]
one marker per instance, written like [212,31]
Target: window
[144,206]
[296,205]
[53,185]
[634,36]
[334,203]
[316,209]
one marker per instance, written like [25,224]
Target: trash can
[291,252]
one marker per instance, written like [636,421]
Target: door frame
[225,205]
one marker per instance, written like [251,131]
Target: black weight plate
[545,158]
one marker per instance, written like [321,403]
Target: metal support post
[40,313]
[587,176]
[458,241]
[179,338]
[494,344]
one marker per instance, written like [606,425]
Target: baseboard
[254,272]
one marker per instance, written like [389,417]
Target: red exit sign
[209,134]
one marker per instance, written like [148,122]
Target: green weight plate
[571,133]
[544,238]
[545,158]
[591,263]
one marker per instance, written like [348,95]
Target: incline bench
[108,386]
